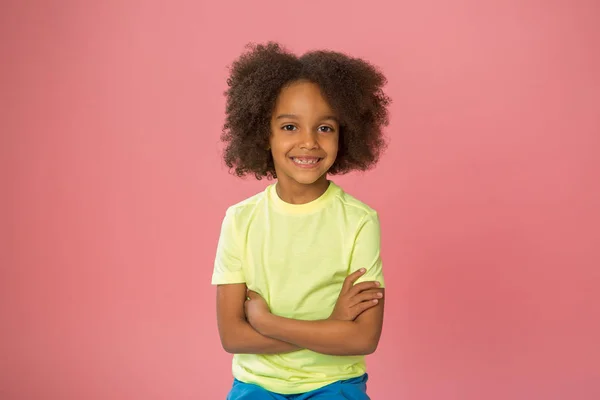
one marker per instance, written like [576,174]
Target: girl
[298,271]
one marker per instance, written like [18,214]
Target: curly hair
[351,86]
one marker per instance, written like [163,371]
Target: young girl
[298,271]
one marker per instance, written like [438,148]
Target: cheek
[332,145]
[280,145]
[271,141]
[277,148]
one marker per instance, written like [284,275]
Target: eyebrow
[292,116]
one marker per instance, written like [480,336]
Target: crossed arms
[246,325]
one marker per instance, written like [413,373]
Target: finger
[359,287]
[252,294]
[366,295]
[364,306]
[350,279]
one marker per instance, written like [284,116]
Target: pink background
[113,192]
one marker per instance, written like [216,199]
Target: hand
[256,308]
[355,299]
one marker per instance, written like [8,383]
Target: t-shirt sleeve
[366,250]
[228,263]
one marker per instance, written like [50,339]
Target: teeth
[305,161]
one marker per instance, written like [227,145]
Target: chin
[309,180]
[306,182]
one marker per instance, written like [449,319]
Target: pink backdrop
[113,193]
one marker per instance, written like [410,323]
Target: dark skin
[352,87]
[335,335]
[238,336]
[303,125]
[304,144]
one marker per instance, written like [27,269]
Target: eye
[288,127]
[325,129]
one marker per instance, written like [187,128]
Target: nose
[309,140]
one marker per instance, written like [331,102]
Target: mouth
[306,162]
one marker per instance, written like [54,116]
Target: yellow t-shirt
[297,257]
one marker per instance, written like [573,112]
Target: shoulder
[246,208]
[353,206]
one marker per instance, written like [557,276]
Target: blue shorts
[351,389]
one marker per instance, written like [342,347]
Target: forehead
[302,98]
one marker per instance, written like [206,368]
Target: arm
[334,337]
[356,336]
[237,336]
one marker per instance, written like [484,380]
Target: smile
[306,162]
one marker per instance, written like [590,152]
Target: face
[304,135]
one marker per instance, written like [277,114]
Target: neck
[297,193]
